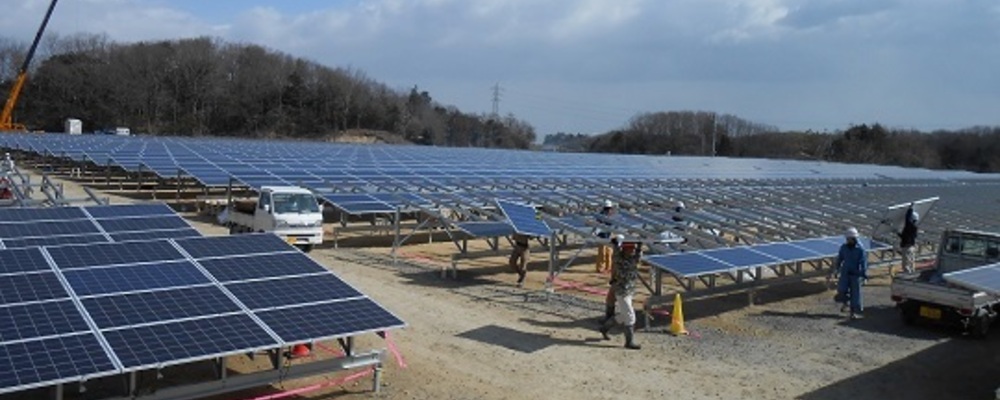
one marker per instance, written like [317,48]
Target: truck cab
[293,213]
[927,296]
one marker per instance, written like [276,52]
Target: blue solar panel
[184,341]
[366,208]
[142,224]
[54,241]
[786,252]
[328,320]
[90,281]
[40,214]
[287,291]
[40,319]
[129,210]
[234,245]
[45,362]
[263,266]
[486,229]
[524,219]
[688,264]
[739,257]
[16,261]
[824,246]
[46,228]
[154,235]
[92,255]
[30,287]
[160,305]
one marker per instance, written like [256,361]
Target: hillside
[205,86]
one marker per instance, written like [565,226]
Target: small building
[74,126]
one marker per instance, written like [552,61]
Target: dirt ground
[480,337]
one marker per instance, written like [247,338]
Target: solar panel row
[715,261]
[165,302]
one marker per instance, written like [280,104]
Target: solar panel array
[33,227]
[716,261]
[82,311]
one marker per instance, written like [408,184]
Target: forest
[205,86]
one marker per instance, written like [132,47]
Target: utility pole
[496,100]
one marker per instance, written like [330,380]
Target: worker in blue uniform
[852,266]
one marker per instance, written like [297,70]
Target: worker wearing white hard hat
[604,232]
[8,163]
[852,266]
[678,209]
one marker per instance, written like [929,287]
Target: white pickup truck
[287,211]
[925,295]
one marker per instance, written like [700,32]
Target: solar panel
[786,251]
[53,360]
[129,210]
[184,341]
[142,224]
[40,214]
[262,266]
[329,320]
[985,278]
[33,320]
[486,229]
[366,208]
[282,292]
[30,287]
[161,305]
[54,241]
[234,245]
[91,281]
[153,235]
[524,219]
[46,228]
[688,264]
[16,261]
[739,257]
[92,255]
[824,246]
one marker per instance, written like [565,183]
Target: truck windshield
[294,203]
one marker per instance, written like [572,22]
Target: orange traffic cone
[677,319]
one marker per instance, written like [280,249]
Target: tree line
[705,133]
[205,86]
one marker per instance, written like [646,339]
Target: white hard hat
[619,237]
[851,233]
[916,216]
[608,204]
[679,204]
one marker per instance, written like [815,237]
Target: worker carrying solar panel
[519,257]
[603,231]
[908,239]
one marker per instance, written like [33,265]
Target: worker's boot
[606,327]
[630,338]
[609,313]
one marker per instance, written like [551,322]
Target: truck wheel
[306,248]
[980,327]
[233,230]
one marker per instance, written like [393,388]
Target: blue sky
[589,65]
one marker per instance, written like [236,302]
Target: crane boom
[6,118]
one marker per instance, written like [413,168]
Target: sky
[588,66]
